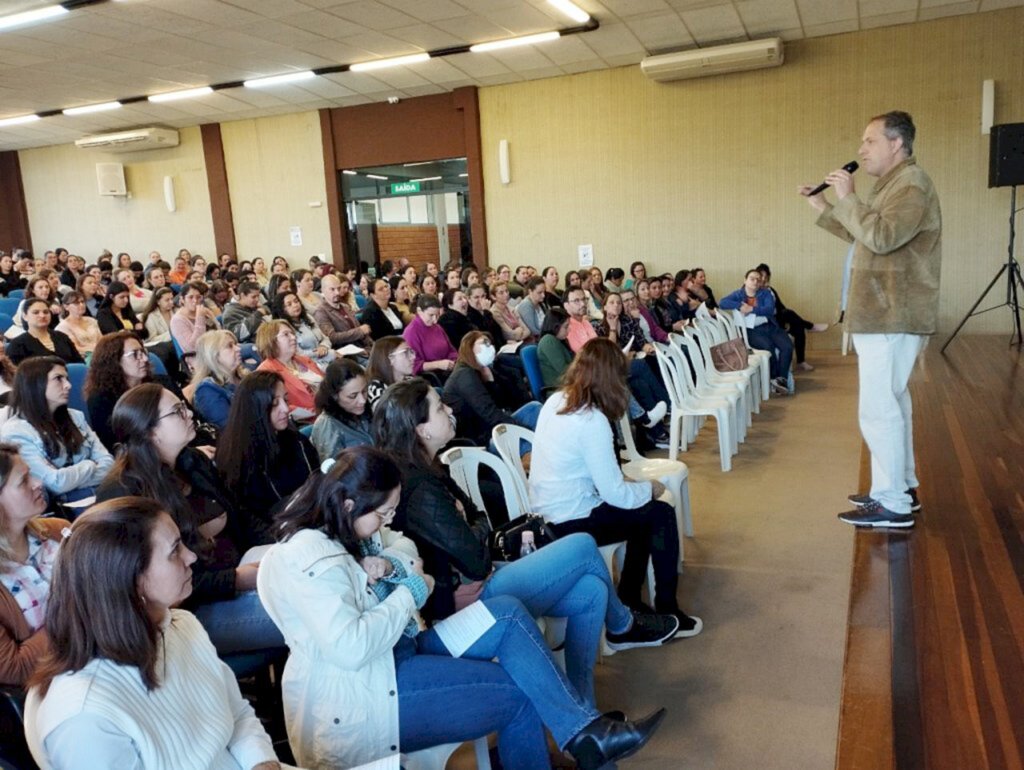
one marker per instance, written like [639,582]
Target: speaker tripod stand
[1014,285]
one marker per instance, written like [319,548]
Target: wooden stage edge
[934,671]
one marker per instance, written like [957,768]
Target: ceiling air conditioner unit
[131,141]
[701,62]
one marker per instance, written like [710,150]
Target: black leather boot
[605,740]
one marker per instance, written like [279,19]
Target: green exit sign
[400,188]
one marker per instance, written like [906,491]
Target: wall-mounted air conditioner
[131,141]
[701,62]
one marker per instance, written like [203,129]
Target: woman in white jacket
[363,683]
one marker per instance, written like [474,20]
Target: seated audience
[791,321]
[344,416]
[154,429]
[637,272]
[132,682]
[10,279]
[38,288]
[434,352]
[277,346]
[591,306]
[218,297]
[454,318]
[261,456]
[193,318]
[138,297]
[380,314]
[512,326]
[700,290]
[310,340]
[553,350]
[90,288]
[483,397]
[116,313]
[391,361]
[577,485]
[335,316]
[279,283]
[681,304]
[552,294]
[532,308]
[659,306]
[428,284]
[28,550]
[352,620]
[613,279]
[78,325]
[304,285]
[243,315]
[215,375]
[55,442]
[158,314]
[640,309]
[39,339]
[400,292]
[757,307]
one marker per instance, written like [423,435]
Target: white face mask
[485,356]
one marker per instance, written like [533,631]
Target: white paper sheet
[460,631]
[510,347]
[350,350]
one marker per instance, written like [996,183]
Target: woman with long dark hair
[154,429]
[363,681]
[146,685]
[391,361]
[310,340]
[55,442]
[78,325]
[577,485]
[116,313]
[261,456]
[343,413]
[39,338]
[413,425]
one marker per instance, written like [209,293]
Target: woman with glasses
[261,456]
[278,347]
[78,325]
[363,682]
[55,442]
[154,428]
[39,339]
[391,361]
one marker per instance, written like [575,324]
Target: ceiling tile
[832,28]
[426,36]
[272,9]
[381,45]
[522,20]
[817,12]
[888,19]
[373,15]
[714,24]
[443,70]
[474,29]
[478,65]
[661,32]
[572,48]
[762,17]
[995,5]
[428,10]
[879,7]
[624,9]
[614,40]
[324,24]
[940,11]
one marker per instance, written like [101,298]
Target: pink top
[429,342]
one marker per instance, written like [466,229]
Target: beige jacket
[897,259]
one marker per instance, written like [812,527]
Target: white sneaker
[819,328]
[657,414]
[803,366]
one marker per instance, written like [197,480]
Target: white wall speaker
[504,170]
[110,178]
[172,204]
[988,105]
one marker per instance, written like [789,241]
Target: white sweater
[103,715]
[573,469]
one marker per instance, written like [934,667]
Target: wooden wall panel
[14,228]
[220,195]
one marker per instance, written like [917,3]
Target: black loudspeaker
[1006,155]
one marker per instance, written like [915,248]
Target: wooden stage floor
[934,673]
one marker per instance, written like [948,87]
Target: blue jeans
[526,415]
[443,699]
[647,388]
[239,625]
[773,339]
[567,579]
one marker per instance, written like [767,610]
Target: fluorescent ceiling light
[571,10]
[350,173]
[463,175]
[30,17]
[18,120]
[512,42]
[419,163]
[426,179]
[92,108]
[376,176]
[397,61]
[174,96]
[276,80]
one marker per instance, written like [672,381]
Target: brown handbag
[729,356]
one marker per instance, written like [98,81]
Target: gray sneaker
[874,515]
[861,500]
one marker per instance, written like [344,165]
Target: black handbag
[506,541]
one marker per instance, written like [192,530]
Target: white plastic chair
[507,439]
[684,366]
[709,333]
[685,404]
[734,391]
[672,473]
[436,757]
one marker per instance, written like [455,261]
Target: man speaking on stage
[893,303]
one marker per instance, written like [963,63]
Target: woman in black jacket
[566,578]
[262,458]
[39,339]
[480,397]
[380,313]
[116,314]
[155,461]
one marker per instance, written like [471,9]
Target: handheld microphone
[849,167]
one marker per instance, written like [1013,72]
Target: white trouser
[886,416]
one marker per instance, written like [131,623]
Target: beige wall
[65,208]
[275,170]
[705,171]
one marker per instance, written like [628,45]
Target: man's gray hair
[899,125]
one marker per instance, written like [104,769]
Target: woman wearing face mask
[434,352]
[132,682]
[479,400]
[344,414]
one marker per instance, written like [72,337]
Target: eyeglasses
[407,352]
[386,516]
[180,410]
[138,354]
